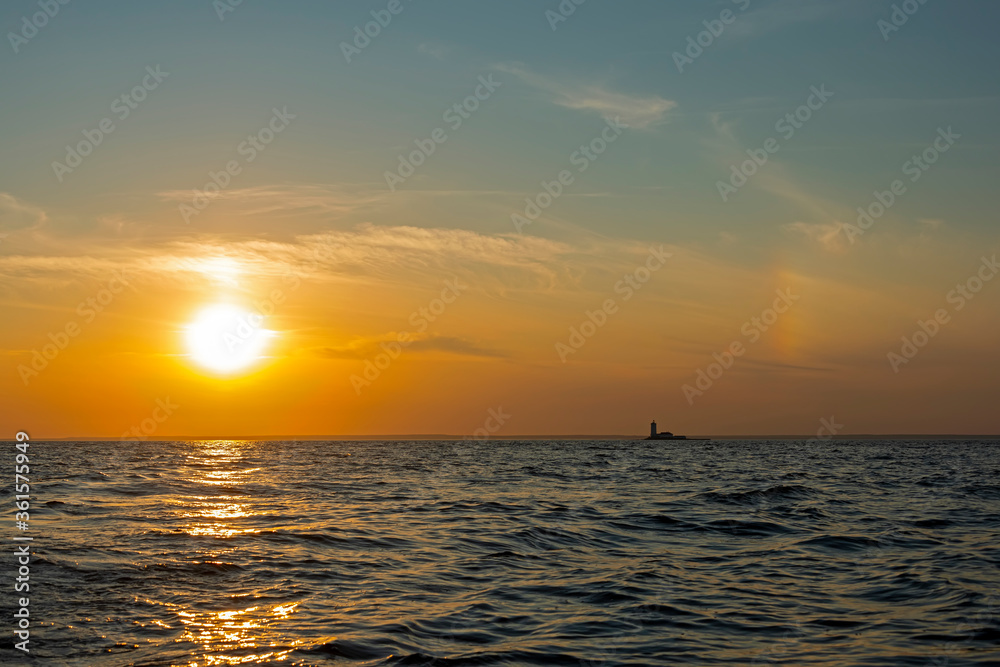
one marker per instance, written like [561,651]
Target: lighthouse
[666,435]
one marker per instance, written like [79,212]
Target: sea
[597,553]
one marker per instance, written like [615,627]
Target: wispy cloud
[775,178]
[826,234]
[289,198]
[434,50]
[637,111]
[779,14]
[725,129]
[366,253]
[363,348]
[506,266]
[16,214]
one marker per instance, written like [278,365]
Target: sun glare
[226,338]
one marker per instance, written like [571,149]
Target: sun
[226,338]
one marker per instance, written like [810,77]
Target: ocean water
[513,553]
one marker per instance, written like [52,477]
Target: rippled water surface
[514,553]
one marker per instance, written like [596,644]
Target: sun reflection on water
[231,635]
[227,476]
[219,508]
[215,516]
[218,463]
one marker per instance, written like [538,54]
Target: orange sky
[514,301]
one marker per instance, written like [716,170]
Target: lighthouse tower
[652,429]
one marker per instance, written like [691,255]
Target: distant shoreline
[512,438]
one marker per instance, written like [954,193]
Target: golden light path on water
[226,636]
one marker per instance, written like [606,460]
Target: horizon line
[591,437]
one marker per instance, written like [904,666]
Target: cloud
[366,253]
[778,180]
[435,50]
[766,365]
[506,266]
[726,129]
[363,348]
[827,234]
[16,215]
[287,198]
[636,111]
[782,13]
[454,345]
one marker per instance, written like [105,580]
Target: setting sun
[226,338]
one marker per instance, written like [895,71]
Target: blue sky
[225,75]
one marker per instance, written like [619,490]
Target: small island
[666,435]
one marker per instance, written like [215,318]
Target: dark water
[545,553]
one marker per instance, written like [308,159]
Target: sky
[498,218]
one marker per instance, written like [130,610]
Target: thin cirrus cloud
[288,198]
[365,348]
[779,14]
[364,253]
[636,111]
[829,235]
[434,49]
[822,217]
[16,214]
